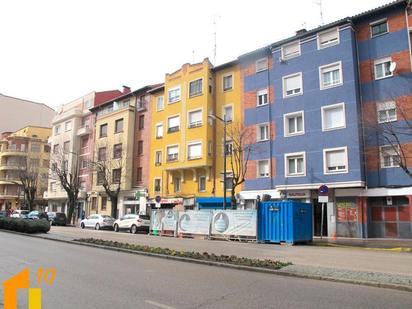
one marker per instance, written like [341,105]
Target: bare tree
[108,166]
[240,145]
[67,174]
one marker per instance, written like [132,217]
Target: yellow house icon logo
[22,281]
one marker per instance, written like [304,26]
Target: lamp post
[223,120]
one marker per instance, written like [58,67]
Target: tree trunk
[71,205]
[113,201]
[232,198]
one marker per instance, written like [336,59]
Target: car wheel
[82,225]
[97,227]
[133,229]
[116,228]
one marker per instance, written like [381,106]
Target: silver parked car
[20,213]
[133,223]
[98,222]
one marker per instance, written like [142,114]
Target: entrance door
[317,219]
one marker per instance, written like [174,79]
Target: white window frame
[286,161]
[177,184]
[167,152]
[68,126]
[196,124]
[173,89]
[258,175]
[224,111]
[154,184]
[284,78]
[263,68]
[160,124]
[173,116]
[381,61]
[286,118]
[57,130]
[157,103]
[381,161]
[385,107]
[196,94]
[194,143]
[198,187]
[376,22]
[262,92]
[326,66]
[155,157]
[333,106]
[223,82]
[286,57]
[329,44]
[325,164]
[258,137]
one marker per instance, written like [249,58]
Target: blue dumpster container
[285,221]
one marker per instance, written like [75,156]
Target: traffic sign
[158,199]
[323,190]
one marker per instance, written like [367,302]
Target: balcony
[172,157]
[10,166]
[9,180]
[84,130]
[141,105]
[173,129]
[14,152]
[195,124]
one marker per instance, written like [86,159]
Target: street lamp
[223,120]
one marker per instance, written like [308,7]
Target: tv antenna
[319,3]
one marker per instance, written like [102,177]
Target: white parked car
[133,223]
[97,222]
[20,213]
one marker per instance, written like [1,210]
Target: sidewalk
[404,245]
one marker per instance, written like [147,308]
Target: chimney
[126,89]
[301,31]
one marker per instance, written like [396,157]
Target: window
[210,148]
[118,126]
[101,155]
[176,182]
[294,124]
[84,164]
[53,187]
[335,160]
[87,104]
[157,185]
[34,162]
[160,103]
[159,130]
[261,64]
[158,157]
[229,181]
[379,27]
[386,112]
[229,148]
[195,119]
[46,163]
[103,130]
[172,153]
[141,122]
[330,75]
[389,156]
[104,202]
[139,174]
[227,82]
[94,203]
[194,151]
[195,87]
[57,130]
[228,113]
[100,177]
[116,175]
[117,151]
[173,124]
[292,85]
[68,126]
[382,68]
[295,164]
[84,142]
[328,38]
[262,132]
[46,149]
[66,146]
[35,148]
[333,117]
[82,185]
[263,168]
[56,149]
[291,50]
[202,184]
[140,148]
[262,97]
[174,95]
[65,165]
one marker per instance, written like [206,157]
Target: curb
[225,265]
[394,249]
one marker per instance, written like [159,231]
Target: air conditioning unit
[389,200]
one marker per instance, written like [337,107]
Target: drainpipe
[270,119]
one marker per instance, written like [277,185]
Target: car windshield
[107,217]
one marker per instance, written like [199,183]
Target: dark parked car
[4,213]
[36,215]
[57,218]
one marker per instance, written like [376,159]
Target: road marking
[158,304]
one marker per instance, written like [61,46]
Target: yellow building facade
[24,150]
[186,151]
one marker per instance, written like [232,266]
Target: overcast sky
[54,51]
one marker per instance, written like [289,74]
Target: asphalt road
[96,278]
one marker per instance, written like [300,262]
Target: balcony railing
[173,129]
[141,105]
[9,150]
[172,157]
[84,130]
[195,124]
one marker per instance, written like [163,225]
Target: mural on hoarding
[194,222]
[234,222]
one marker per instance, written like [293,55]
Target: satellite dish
[392,67]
